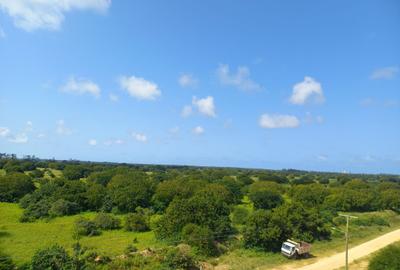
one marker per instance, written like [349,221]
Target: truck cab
[288,249]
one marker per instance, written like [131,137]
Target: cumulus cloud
[92,142]
[187,80]
[306,90]
[4,132]
[140,88]
[198,130]
[385,73]
[186,111]
[81,86]
[205,106]
[61,128]
[278,121]
[31,15]
[140,137]
[19,138]
[113,97]
[29,126]
[241,79]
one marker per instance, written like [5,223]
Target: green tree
[128,191]
[265,195]
[14,186]
[199,237]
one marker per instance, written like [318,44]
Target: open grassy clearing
[244,259]
[21,240]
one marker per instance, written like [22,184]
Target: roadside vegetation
[121,216]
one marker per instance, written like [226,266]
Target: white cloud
[19,138]
[41,135]
[92,142]
[81,86]
[241,79]
[62,129]
[113,98]
[29,126]
[140,88]
[198,130]
[322,157]
[140,137]
[205,105]
[305,90]
[187,80]
[31,15]
[4,131]
[278,121]
[186,111]
[385,73]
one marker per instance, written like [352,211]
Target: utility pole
[347,237]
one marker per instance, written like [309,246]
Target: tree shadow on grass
[4,234]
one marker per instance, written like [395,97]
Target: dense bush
[6,262]
[52,258]
[180,258]
[136,222]
[267,229]
[14,186]
[62,207]
[201,238]
[203,209]
[106,221]
[85,227]
[240,215]
[131,190]
[387,259]
[265,195]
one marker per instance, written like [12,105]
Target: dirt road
[338,260]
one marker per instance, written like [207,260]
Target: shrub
[14,186]
[63,208]
[85,227]
[370,221]
[6,262]
[240,215]
[52,258]
[106,221]
[130,248]
[388,259]
[180,258]
[199,237]
[136,222]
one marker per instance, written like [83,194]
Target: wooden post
[347,237]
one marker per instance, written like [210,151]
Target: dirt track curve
[338,260]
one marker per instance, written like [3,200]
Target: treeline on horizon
[199,206]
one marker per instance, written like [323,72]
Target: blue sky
[309,85]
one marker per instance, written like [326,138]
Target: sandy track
[338,260]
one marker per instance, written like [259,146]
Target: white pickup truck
[293,249]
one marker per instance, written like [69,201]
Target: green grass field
[20,240]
